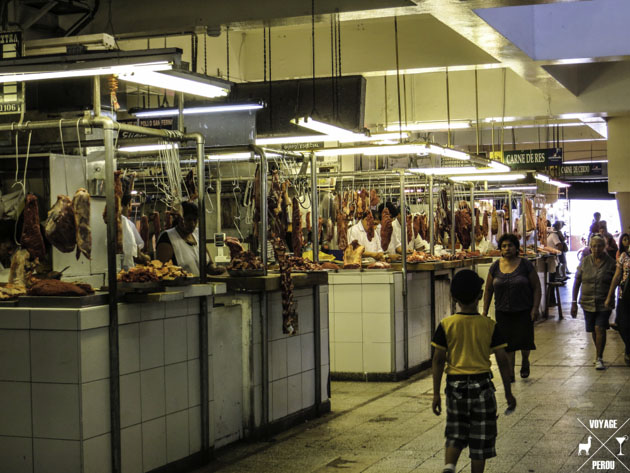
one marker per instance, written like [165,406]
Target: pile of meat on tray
[153,272]
[239,258]
[421,257]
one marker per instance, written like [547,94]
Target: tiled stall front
[54,386]
[367,322]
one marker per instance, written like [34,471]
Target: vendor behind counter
[180,244]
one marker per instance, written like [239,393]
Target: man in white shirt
[359,232]
[132,241]
[394,244]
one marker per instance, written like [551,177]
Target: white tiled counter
[54,385]
[367,333]
[288,379]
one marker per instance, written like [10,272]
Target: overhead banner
[530,158]
[577,170]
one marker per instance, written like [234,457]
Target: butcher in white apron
[180,244]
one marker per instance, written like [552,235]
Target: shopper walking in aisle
[592,282]
[594,228]
[556,240]
[624,244]
[620,279]
[515,285]
[463,343]
[611,244]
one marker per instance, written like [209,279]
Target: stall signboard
[161,123]
[577,170]
[530,158]
[11,93]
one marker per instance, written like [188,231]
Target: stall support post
[218,206]
[96,95]
[180,110]
[403,240]
[317,327]
[431,218]
[510,223]
[314,209]
[263,206]
[264,360]
[472,210]
[203,301]
[452,217]
[524,223]
[114,368]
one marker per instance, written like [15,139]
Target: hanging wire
[333,64]
[270,101]
[400,133]
[477,130]
[227,47]
[503,109]
[313,51]
[338,21]
[205,53]
[448,108]
[63,150]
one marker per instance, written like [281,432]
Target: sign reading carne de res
[533,158]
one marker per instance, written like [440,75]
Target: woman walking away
[594,275]
[623,305]
[624,244]
[516,287]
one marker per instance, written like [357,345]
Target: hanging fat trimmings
[60,226]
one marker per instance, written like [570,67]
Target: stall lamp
[453,171]
[373,150]
[454,154]
[499,166]
[542,177]
[171,112]
[146,68]
[193,84]
[285,140]
[245,156]
[428,126]
[520,188]
[326,129]
[559,184]
[586,161]
[144,148]
[488,177]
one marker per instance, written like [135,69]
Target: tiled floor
[389,427]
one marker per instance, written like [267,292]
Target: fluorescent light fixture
[428,126]
[373,150]
[520,188]
[245,156]
[285,140]
[488,177]
[189,83]
[586,161]
[454,154]
[146,68]
[562,185]
[542,177]
[454,171]
[142,148]
[171,112]
[499,166]
[326,129]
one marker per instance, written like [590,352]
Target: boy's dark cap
[466,286]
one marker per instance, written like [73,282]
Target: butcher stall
[112,369]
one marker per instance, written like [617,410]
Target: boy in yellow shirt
[463,343]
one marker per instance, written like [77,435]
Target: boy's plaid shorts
[471,415]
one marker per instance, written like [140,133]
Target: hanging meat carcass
[81,206]
[353,255]
[297,238]
[289,313]
[31,238]
[370,226]
[409,229]
[144,232]
[191,187]
[386,229]
[60,226]
[495,222]
[424,227]
[257,202]
[463,224]
[342,231]
[374,199]
[118,193]
[416,225]
[530,221]
[485,225]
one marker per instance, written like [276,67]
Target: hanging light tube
[499,166]
[171,112]
[373,150]
[326,129]
[283,140]
[145,148]
[429,126]
[489,177]
[189,83]
[148,68]
[453,171]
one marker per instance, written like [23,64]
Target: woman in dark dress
[516,287]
